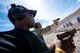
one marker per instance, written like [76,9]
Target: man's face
[29,20]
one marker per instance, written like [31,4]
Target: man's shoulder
[6,42]
[7,35]
[10,40]
[6,32]
[11,32]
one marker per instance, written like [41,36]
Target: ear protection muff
[17,12]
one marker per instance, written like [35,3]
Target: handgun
[66,34]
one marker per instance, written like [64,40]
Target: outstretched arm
[49,28]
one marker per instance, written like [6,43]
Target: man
[47,29]
[68,44]
[20,39]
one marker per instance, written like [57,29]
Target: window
[67,24]
[70,24]
[78,19]
[64,26]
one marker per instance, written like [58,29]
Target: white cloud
[78,1]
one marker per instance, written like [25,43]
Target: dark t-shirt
[22,41]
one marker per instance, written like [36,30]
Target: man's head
[38,25]
[18,13]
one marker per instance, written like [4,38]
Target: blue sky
[48,10]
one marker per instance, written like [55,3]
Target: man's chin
[31,26]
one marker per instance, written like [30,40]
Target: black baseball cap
[30,11]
